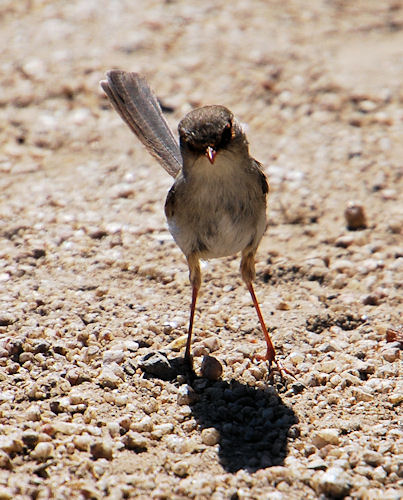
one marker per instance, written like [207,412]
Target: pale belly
[218,212]
[217,235]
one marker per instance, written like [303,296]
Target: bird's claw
[270,359]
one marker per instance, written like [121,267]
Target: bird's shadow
[254,424]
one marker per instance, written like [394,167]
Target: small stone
[5,462]
[177,344]
[355,216]
[6,493]
[372,299]
[211,368]
[326,436]
[101,449]
[379,474]
[83,442]
[181,469]
[391,354]
[33,413]
[372,458]
[144,425]
[186,395]
[113,356]
[283,306]
[161,430]
[329,366]
[135,441]
[395,226]
[30,438]
[317,464]
[344,266]
[180,445]
[76,397]
[11,444]
[43,451]
[396,398]
[211,343]
[158,365]
[296,358]
[108,379]
[361,395]
[113,429]
[344,241]
[210,436]
[334,482]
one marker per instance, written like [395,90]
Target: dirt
[93,286]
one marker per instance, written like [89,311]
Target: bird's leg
[248,274]
[195,281]
[270,353]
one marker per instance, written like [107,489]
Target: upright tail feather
[138,107]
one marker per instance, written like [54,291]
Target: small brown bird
[217,204]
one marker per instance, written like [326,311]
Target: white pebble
[334,482]
[326,436]
[186,395]
[210,436]
[43,451]
[113,356]
[144,425]
[296,358]
[162,429]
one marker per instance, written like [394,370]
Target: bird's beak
[211,154]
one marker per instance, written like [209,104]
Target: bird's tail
[138,107]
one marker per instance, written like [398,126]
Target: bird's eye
[226,135]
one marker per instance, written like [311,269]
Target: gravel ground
[94,294]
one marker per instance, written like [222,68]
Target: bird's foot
[271,359]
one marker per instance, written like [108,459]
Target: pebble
[42,451]
[344,266]
[391,354]
[317,464]
[335,482]
[361,395]
[161,430]
[6,493]
[143,425]
[210,436]
[158,365]
[372,458]
[186,395]
[181,469]
[116,356]
[82,442]
[379,474]
[396,398]
[211,368]
[355,216]
[11,444]
[30,438]
[101,449]
[178,343]
[5,463]
[296,358]
[135,441]
[180,445]
[326,436]
[107,378]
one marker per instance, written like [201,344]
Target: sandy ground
[94,293]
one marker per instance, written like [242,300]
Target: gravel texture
[94,399]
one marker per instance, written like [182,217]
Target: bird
[217,204]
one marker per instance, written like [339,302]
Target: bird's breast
[218,214]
